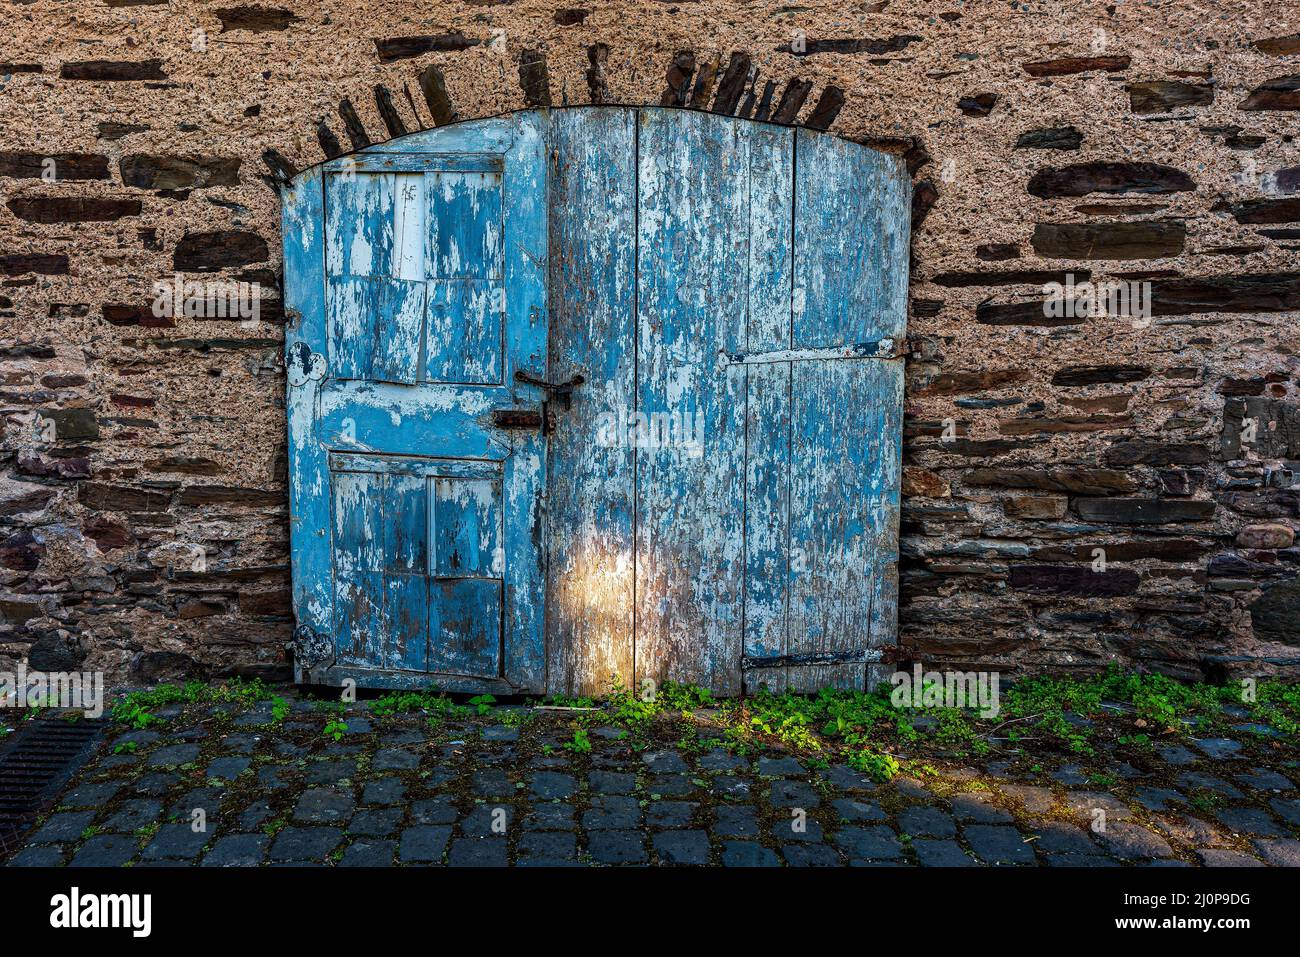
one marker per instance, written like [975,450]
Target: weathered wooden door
[717,500]
[417,281]
[734,294]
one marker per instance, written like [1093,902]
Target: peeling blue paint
[745,278]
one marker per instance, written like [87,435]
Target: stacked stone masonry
[143,526]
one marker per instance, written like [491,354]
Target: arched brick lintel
[734,89]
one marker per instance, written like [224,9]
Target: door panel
[358,510]
[418,564]
[434,296]
[844,435]
[692,248]
[416,273]
[845,415]
[589,601]
[404,534]
[465,213]
[465,260]
[375,302]
[465,627]
[768,549]
[850,244]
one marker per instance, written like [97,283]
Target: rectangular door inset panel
[375,571]
[850,244]
[466,574]
[467,528]
[464,224]
[465,627]
[465,269]
[416,273]
[375,298]
[418,562]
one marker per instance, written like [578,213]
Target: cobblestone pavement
[502,789]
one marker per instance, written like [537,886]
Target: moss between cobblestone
[289,732]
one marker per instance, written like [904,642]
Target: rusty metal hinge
[862,656]
[882,349]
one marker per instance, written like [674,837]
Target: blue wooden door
[717,503]
[735,294]
[416,275]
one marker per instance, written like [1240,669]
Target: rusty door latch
[563,391]
[544,417]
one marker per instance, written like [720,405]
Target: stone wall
[142,468]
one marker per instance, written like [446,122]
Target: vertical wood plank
[306,350]
[408,226]
[360,625]
[593,280]
[360,223]
[406,615]
[405,539]
[771,243]
[352,303]
[525,244]
[692,245]
[886,506]
[767,399]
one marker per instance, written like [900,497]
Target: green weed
[581,743]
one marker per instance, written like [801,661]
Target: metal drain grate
[35,764]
